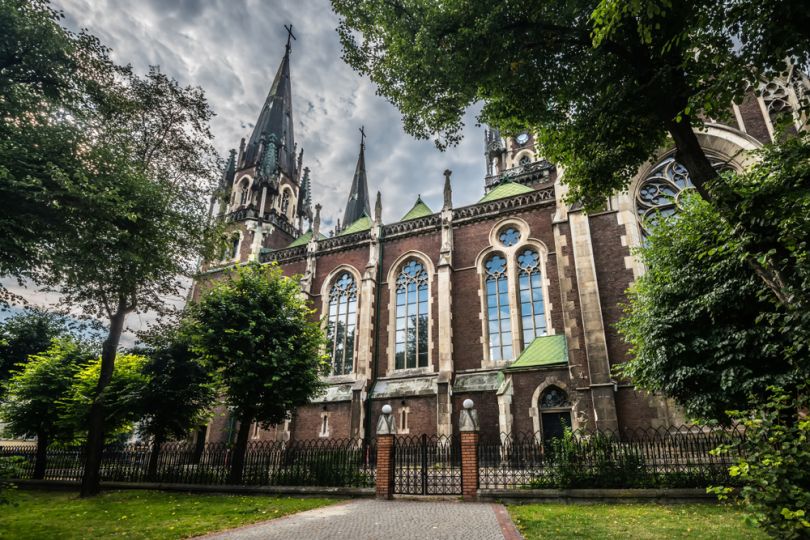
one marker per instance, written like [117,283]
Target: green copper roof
[543,351]
[362,224]
[507,189]
[420,209]
[304,239]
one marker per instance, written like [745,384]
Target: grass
[138,514]
[632,521]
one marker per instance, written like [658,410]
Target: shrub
[9,469]
[775,469]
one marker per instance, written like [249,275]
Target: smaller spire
[378,209]
[316,224]
[358,204]
[448,190]
[230,171]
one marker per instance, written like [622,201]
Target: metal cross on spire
[289,34]
[362,135]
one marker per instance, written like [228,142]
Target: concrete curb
[524,496]
[299,491]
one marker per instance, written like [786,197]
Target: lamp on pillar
[386,429]
[468,426]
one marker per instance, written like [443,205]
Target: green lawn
[138,514]
[632,521]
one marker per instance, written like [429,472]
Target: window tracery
[509,236]
[658,193]
[341,323]
[554,398]
[411,340]
[498,313]
[285,202]
[530,285]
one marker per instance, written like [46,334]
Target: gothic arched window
[411,343]
[341,323]
[498,318]
[234,247]
[244,192]
[555,412]
[285,202]
[530,283]
[658,193]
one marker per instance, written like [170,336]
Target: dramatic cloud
[231,48]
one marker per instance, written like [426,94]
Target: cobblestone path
[385,520]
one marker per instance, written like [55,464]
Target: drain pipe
[377,328]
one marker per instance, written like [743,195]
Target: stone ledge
[301,491]
[522,496]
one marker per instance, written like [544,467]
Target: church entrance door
[427,465]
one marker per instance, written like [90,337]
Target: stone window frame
[393,272]
[789,85]
[326,288]
[718,140]
[535,413]
[323,426]
[235,257]
[236,202]
[511,253]
[403,415]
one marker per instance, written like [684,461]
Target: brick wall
[753,119]
[422,417]
[306,423]
[486,403]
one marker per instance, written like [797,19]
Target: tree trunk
[239,451]
[154,456]
[42,456]
[691,154]
[199,444]
[91,481]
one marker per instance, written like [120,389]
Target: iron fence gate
[427,465]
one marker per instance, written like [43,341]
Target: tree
[34,393]
[120,400]
[601,83]
[29,332]
[254,329]
[151,162]
[179,393]
[48,77]
[703,328]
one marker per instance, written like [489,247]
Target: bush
[775,469]
[9,469]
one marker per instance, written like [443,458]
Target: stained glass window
[341,323]
[658,193]
[244,193]
[498,318]
[412,317]
[285,202]
[530,282]
[553,398]
[509,236]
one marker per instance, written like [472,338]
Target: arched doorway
[555,412]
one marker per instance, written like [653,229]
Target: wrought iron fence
[644,458]
[322,462]
[427,465]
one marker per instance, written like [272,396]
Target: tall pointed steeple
[358,203]
[275,123]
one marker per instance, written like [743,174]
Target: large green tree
[259,335]
[602,83]
[703,327]
[32,405]
[49,78]
[29,332]
[179,393]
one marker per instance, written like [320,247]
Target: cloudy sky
[232,48]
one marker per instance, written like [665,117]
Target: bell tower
[269,195]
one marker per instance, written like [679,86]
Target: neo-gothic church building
[512,301]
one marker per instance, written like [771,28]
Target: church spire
[275,122]
[358,203]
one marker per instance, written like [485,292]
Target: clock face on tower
[522,139]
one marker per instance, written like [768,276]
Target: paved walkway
[385,520]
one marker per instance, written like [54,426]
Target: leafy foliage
[179,391]
[775,469]
[254,329]
[602,83]
[121,398]
[29,332]
[9,469]
[704,328]
[36,389]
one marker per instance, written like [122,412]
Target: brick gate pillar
[468,428]
[386,430]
